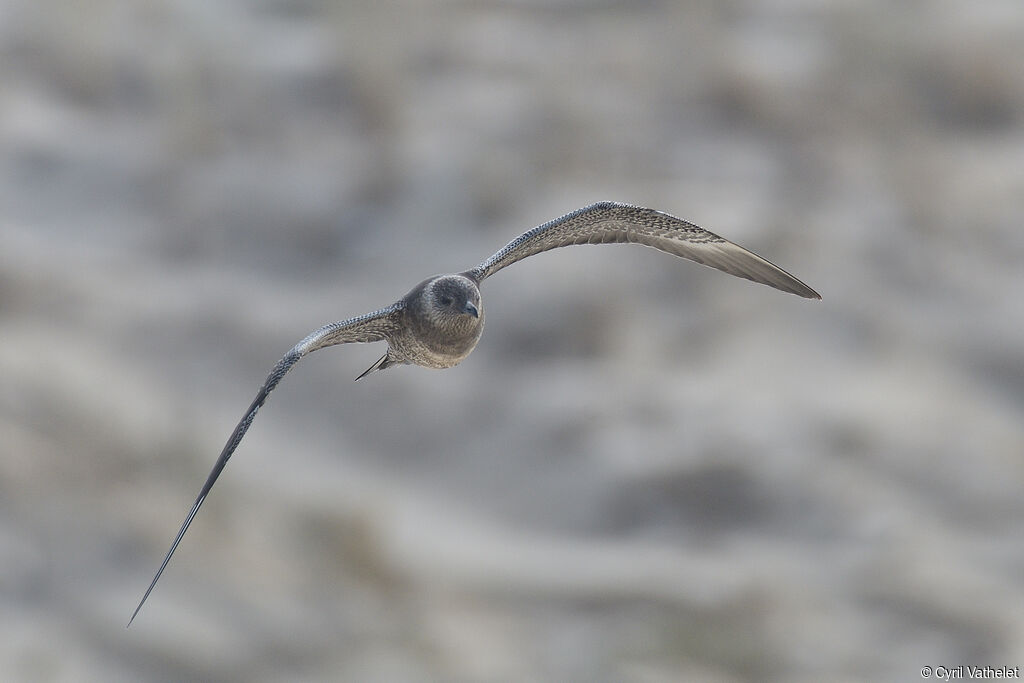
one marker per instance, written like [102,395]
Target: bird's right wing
[611,223]
[376,326]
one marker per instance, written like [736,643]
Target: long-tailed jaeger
[438,323]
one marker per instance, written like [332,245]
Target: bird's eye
[446,301]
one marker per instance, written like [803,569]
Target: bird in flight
[438,323]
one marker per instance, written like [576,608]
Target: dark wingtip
[807,293]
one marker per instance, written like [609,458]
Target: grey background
[647,471]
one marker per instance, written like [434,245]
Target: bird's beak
[471,308]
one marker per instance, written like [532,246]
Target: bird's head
[454,298]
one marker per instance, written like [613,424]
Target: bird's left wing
[610,222]
[376,326]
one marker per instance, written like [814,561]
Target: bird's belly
[440,361]
[437,354]
[436,358]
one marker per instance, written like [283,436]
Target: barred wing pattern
[376,326]
[611,222]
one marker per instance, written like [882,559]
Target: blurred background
[647,471]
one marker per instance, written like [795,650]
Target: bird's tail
[382,363]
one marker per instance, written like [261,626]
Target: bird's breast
[441,344]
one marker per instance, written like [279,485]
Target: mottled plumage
[438,323]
